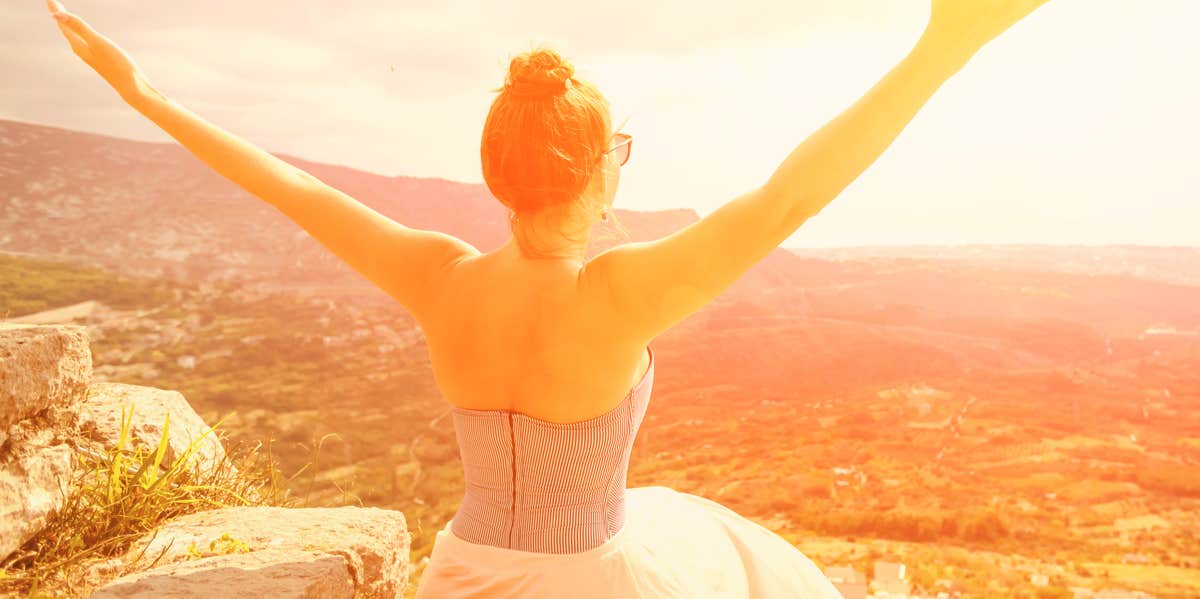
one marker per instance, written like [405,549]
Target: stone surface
[35,468]
[373,543]
[40,367]
[100,419]
[273,573]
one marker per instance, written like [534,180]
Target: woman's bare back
[534,336]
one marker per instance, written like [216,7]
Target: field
[976,451]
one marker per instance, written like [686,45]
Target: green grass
[32,285]
[120,493]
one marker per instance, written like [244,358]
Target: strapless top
[547,487]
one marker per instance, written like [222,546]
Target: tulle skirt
[673,544]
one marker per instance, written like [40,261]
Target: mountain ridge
[96,197]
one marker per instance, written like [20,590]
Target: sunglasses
[623,142]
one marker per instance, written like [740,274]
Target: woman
[546,355]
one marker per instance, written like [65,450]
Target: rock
[372,543]
[100,420]
[274,573]
[35,469]
[40,367]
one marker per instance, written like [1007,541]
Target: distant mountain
[153,209]
[1169,264]
[981,397]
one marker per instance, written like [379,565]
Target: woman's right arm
[654,285]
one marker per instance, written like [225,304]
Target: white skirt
[673,545]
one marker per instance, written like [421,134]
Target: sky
[1077,126]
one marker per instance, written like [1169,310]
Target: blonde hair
[545,135]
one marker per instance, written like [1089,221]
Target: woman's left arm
[407,263]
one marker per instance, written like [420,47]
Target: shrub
[120,493]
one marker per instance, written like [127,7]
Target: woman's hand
[965,26]
[99,52]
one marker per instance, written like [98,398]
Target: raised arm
[833,157]
[407,263]
[654,285]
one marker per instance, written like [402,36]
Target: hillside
[1055,453]
[154,209]
[980,413]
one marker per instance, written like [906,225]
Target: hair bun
[539,73]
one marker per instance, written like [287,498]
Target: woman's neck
[573,255]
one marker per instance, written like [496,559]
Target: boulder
[100,420]
[372,543]
[274,573]
[36,464]
[49,404]
[41,367]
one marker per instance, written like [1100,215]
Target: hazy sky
[1080,125]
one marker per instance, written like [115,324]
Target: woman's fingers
[79,34]
[106,58]
[71,24]
[78,42]
[77,26]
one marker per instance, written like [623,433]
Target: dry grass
[118,494]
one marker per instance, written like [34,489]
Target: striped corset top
[546,487]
